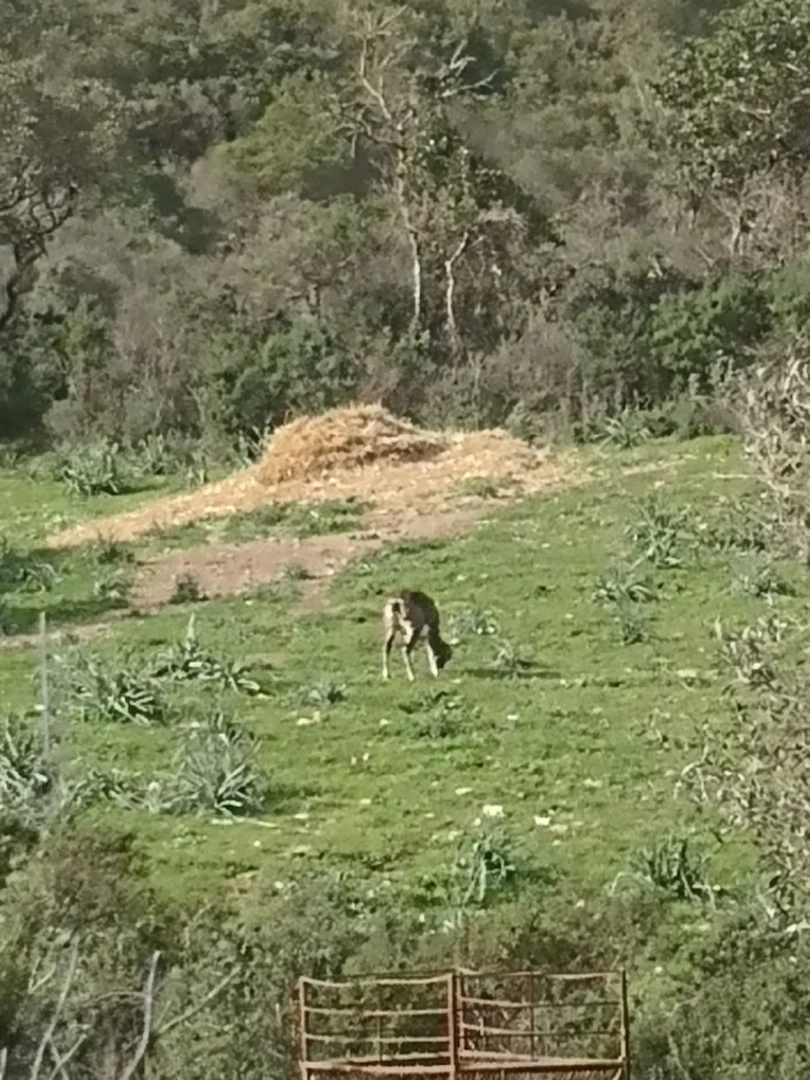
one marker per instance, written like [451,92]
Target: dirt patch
[235,569]
[429,484]
[419,484]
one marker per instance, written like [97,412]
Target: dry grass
[358,451]
[341,439]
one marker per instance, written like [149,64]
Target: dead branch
[375,92]
[191,1012]
[148,1007]
[151,1030]
[57,1012]
[61,1060]
[450,288]
[34,984]
[455,68]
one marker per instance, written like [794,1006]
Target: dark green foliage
[651,336]
[735,100]
[260,379]
[254,212]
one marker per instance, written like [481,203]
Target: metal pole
[452,1025]
[625,1026]
[531,1015]
[45,721]
[302,1029]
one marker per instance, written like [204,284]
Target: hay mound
[361,452]
[342,439]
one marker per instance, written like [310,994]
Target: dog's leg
[431,655]
[410,641]
[386,652]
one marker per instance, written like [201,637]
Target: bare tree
[75,1019]
[458,213]
[56,142]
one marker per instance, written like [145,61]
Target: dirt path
[430,498]
[234,569]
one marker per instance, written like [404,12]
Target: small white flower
[492,810]
[463,790]
[542,822]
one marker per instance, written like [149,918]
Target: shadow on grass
[24,619]
[527,671]
[68,585]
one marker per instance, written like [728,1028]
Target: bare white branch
[148,1009]
[191,1012]
[60,1060]
[67,983]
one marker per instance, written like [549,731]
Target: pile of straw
[342,439]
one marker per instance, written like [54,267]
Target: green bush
[259,378]
[649,338]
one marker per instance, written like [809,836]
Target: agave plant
[215,770]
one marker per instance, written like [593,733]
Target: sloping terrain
[362,453]
[561,708]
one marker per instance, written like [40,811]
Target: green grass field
[571,711]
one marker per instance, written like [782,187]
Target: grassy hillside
[569,708]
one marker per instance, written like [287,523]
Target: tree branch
[46,213]
[57,1012]
[193,1010]
[148,1007]
[23,261]
[450,288]
[375,92]
[61,1060]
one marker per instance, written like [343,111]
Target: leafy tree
[737,109]
[60,139]
[256,375]
[653,332]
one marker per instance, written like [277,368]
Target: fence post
[452,1025]
[302,1029]
[44,703]
[532,999]
[625,1027]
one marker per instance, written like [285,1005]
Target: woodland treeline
[217,213]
